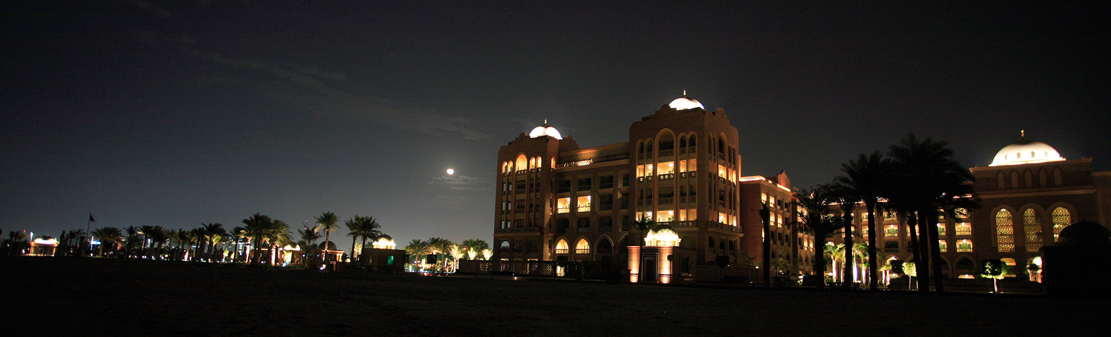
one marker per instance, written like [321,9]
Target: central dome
[1026,152]
[545,130]
[686,103]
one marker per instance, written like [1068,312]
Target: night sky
[177,113]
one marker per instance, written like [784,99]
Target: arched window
[522,162]
[711,243]
[1041,178]
[1029,178]
[692,142]
[1014,179]
[582,248]
[1000,181]
[1061,219]
[1033,229]
[561,247]
[1005,230]
[1057,176]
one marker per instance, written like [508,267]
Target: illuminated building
[1028,194]
[557,201]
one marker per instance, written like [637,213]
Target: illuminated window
[584,204]
[940,229]
[582,247]
[721,171]
[964,229]
[692,214]
[640,171]
[665,216]
[692,165]
[943,246]
[1033,229]
[763,198]
[682,166]
[964,246]
[1061,219]
[891,231]
[666,168]
[522,162]
[561,247]
[1004,231]
[721,217]
[563,205]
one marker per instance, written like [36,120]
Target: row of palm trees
[213,243]
[445,250]
[919,180]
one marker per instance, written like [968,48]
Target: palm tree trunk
[935,254]
[924,247]
[912,224]
[873,282]
[353,247]
[848,265]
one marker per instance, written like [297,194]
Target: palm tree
[277,234]
[132,235]
[814,215]
[309,237]
[362,227]
[371,230]
[440,246]
[475,247]
[237,232]
[107,235]
[157,235]
[416,249]
[327,222]
[15,241]
[256,227]
[930,179]
[212,231]
[865,179]
[847,200]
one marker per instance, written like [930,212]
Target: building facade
[557,201]
[1027,196]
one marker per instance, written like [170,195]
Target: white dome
[1026,152]
[545,130]
[662,236]
[685,103]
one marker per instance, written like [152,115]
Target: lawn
[63,296]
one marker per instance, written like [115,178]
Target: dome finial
[684,92]
[1023,133]
[545,122]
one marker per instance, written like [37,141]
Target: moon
[450,172]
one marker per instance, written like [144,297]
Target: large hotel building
[557,201]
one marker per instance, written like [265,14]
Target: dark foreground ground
[93,297]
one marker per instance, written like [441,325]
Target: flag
[91,218]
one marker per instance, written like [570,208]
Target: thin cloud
[457,182]
[328,93]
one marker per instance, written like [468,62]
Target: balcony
[562,251]
[667,176]
[582,251]
[519,230]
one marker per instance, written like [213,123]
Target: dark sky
[177,113]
